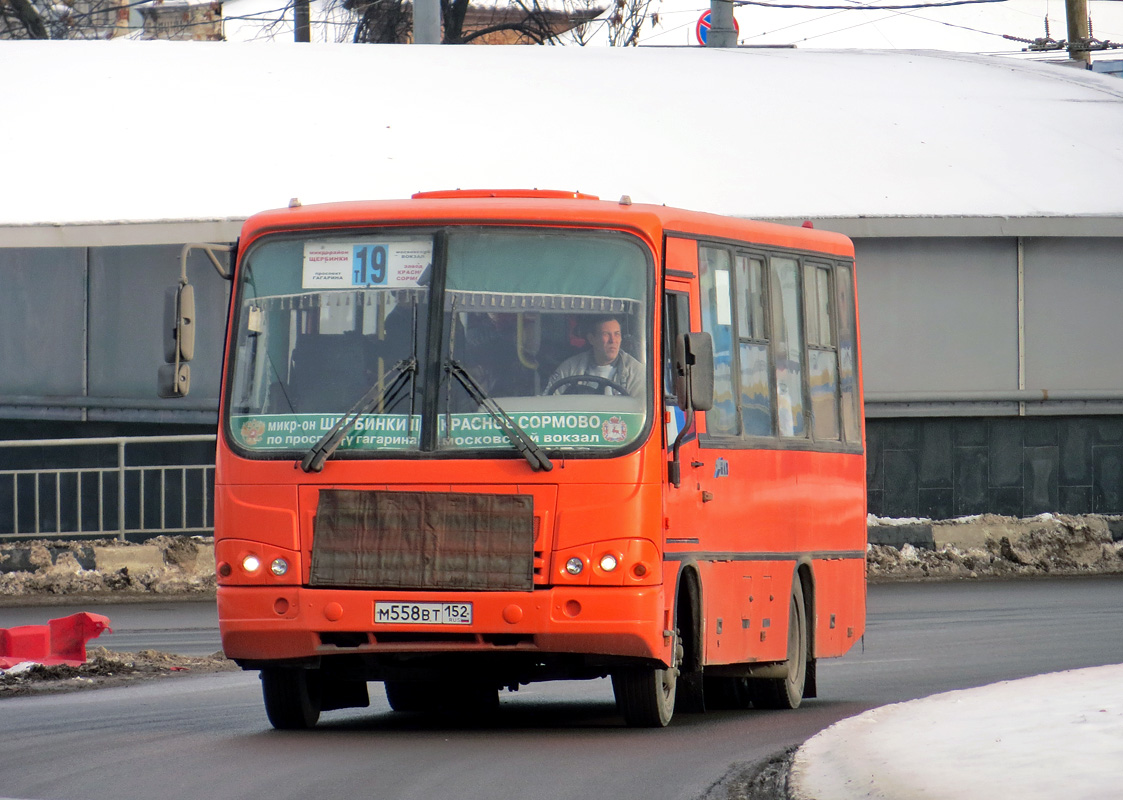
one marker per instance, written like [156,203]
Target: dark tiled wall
[951,467]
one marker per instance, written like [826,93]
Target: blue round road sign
[702,28]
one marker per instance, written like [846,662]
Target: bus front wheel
[292,697]
[787,692]
[646,696]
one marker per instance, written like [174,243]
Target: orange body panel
[744,530]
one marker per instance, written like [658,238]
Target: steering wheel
[601,382]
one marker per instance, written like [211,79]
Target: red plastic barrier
[60,641]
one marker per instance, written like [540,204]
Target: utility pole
[426,21]
[721,33]
[302,17]
[1078,34]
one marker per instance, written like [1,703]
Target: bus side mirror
[174,378]
[694,371]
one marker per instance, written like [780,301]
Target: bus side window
[788,342]
[822,358]
[714,268]
[752,335]
[847,358]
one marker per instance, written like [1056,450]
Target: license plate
[423,613]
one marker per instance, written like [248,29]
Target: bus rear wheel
[646,696]
[292,697]
[787,692]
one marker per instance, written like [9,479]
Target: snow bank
[991,546]
[986,546]
[1039,738]
[162,565]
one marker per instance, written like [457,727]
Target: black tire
[645,697]
[292,697]
[786,693]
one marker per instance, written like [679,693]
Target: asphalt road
[207,735]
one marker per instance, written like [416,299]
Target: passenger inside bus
[603,368]
[497,354]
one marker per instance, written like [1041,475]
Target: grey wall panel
[127,286]
[1074,314]
[42,321]
[938,315]
[1019,466]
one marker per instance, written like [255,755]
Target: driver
[603,359]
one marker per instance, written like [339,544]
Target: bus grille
[423,540]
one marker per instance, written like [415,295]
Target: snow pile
[991,546]
[986,546]
[162,565]
[1039,738]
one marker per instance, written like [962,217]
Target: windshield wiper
[314,459]
[519,438]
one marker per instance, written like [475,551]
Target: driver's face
[605,340]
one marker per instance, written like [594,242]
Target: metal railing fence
[110,497]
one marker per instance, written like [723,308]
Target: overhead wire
[894,10]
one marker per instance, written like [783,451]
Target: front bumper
[284,623]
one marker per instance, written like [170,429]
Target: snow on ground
[1040,738]
[980,547]
[992,546]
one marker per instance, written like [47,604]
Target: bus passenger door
[684,510]
[684,520]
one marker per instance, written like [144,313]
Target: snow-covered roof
[149,131]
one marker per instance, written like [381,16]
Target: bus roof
[541,207]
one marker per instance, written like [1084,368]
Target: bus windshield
[430,338]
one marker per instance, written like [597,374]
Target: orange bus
[478,439]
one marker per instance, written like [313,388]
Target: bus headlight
[617,562]
[243,563]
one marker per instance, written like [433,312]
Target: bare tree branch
[26,16]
